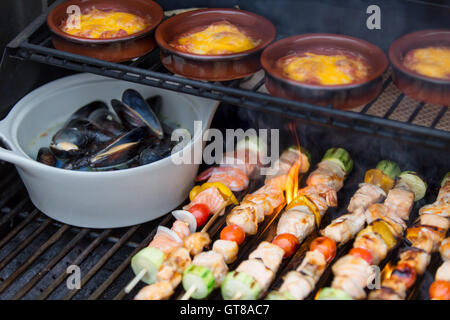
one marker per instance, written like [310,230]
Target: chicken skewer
[211,197]
[425,238]
[440,288]
[386,222]
[299,283]
[206,267]
[252,277]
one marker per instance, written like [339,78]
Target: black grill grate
[35,251]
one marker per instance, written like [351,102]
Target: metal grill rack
[35,251]
[392,114]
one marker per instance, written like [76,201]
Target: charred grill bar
[35,251]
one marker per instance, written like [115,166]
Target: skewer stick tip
[189,293]
[135,281]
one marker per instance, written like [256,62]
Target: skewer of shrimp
[386,223]
[425,238]
[208,268]
[167,249]
[440,288]
[252,277]
[299,283]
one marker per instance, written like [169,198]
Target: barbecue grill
[35,251]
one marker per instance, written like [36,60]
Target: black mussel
[135,112]
[46,156]
[119,151]
[156,152]
[108,121]
[155,103]
[76,163]
[85,111]
[97,135]
[148,155]
[69,142]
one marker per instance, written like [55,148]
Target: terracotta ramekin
[339,96]
[222,67]
[411,83]
[115,49]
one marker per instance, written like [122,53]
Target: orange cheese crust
[433,62]
[98,24]
[217,38]
[312,68]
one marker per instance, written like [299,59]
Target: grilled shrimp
[298,221]
[181,228]
[157,291]
[445,249]
[322,195]
[164,243]
[297,284]
[400,202]
[366,195]
[233,178]
[196,242]
[256,268]
[345,227]
[327,173]
[228,249]
[211,197]
[270,254]
[214,262]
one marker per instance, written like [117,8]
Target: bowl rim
[156,20]
[266,62]
[211,57]
[409,38]
[14,120]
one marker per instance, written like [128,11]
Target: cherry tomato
[404,273]
[440,290]
[200,212]
[362,253]
[288,242]
[233,233]
[324,245]
[204,175]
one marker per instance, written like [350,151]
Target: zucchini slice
[389,168]
[279,295]
[149,259]
[333,294]
[200,277]
[415,183]
[240,286]
[341,157]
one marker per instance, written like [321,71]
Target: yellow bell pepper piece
[385,232]
[304,200]
[223,189]
[378,178]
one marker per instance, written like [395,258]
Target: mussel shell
[108,121]
[85,111]
[46,156]
[97,135]
[155,152]
[119,151]
[134,112]
[69,142]
[155,103]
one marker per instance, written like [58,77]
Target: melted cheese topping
[324,69]
[217,38]
[432,62]
[98,24]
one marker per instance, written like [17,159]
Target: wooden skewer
[189,293]
[142,273]
[135,281]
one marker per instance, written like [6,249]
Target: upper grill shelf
[392,114]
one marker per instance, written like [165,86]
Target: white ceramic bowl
[99,199]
